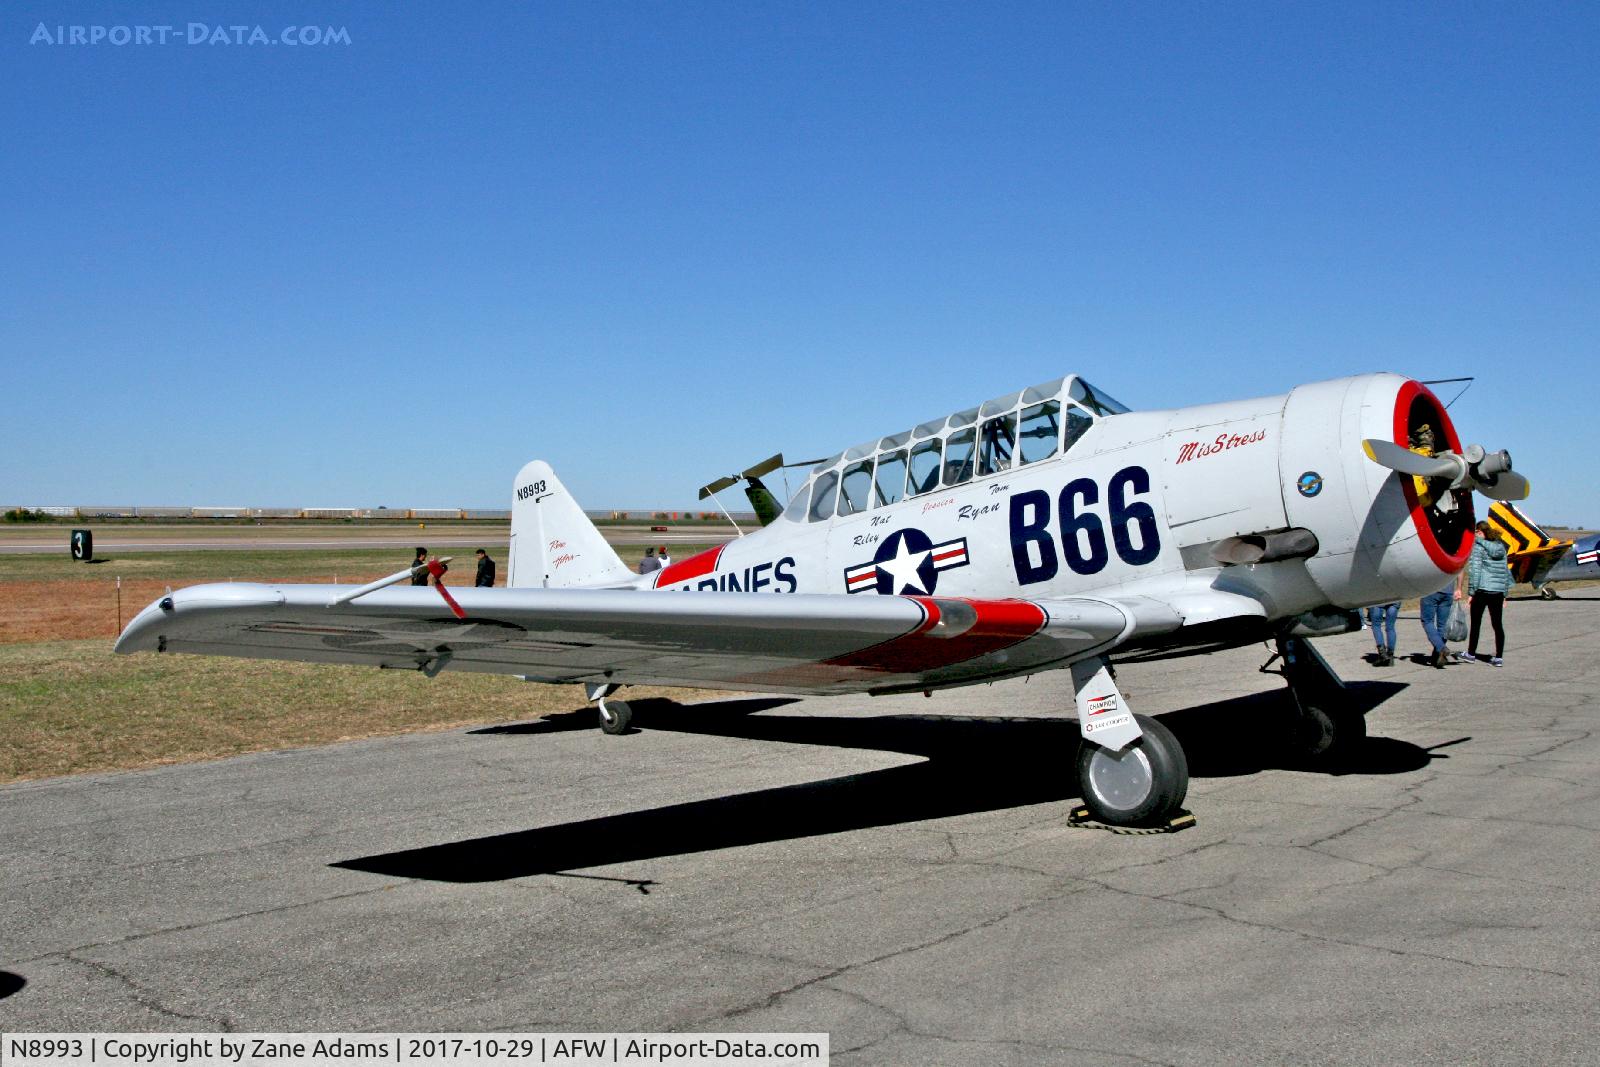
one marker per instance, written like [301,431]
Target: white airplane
[1047,529]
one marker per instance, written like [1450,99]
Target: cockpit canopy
[1013,430]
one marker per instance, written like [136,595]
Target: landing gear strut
[1131,770]
[1325,729]
[614,714]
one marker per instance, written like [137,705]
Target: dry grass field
[72,706]
[68,705]
[45,597]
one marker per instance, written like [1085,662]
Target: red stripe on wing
[1000,624]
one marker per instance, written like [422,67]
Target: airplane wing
[812,643]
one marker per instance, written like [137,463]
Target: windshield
[1095,400]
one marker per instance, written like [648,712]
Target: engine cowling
[1379,536]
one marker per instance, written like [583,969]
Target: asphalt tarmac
[897,872]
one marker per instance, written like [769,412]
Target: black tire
[1140,786]
[615,716]
[1321,736]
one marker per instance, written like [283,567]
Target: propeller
[1489,473]
[765,504]
[766,466]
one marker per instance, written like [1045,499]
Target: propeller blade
[718,486]
[1508,485]
[766,466]
[383,583]
[1388,454]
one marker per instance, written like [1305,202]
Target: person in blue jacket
[1488,580]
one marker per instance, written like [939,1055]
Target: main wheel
[1141,785]
[1323,736]
[615,716]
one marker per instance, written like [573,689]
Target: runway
[894,871]
[494,538]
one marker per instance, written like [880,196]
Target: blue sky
[652,243]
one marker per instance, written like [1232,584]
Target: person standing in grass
[485,576]
[419,577]
[1488,581]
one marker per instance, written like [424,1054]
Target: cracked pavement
[897,872]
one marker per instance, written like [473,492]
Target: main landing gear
[615,715]
[1131,770]
[1326,729]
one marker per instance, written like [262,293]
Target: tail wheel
[1323,736]
[1143,784]
[1314,733]
[615,716]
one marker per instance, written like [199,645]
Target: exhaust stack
[1294,543]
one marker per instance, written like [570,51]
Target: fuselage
[1124,503]
[1580,562]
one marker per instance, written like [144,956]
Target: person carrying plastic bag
[1488,581]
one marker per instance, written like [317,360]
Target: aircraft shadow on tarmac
[10,983]
[969,765]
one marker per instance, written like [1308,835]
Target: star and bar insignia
[906,562]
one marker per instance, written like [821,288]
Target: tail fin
[1521,533]
[1533,552]
[553,543]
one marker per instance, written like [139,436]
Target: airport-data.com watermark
[192,33]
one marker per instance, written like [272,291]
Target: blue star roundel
[1309,483]
[906,562]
